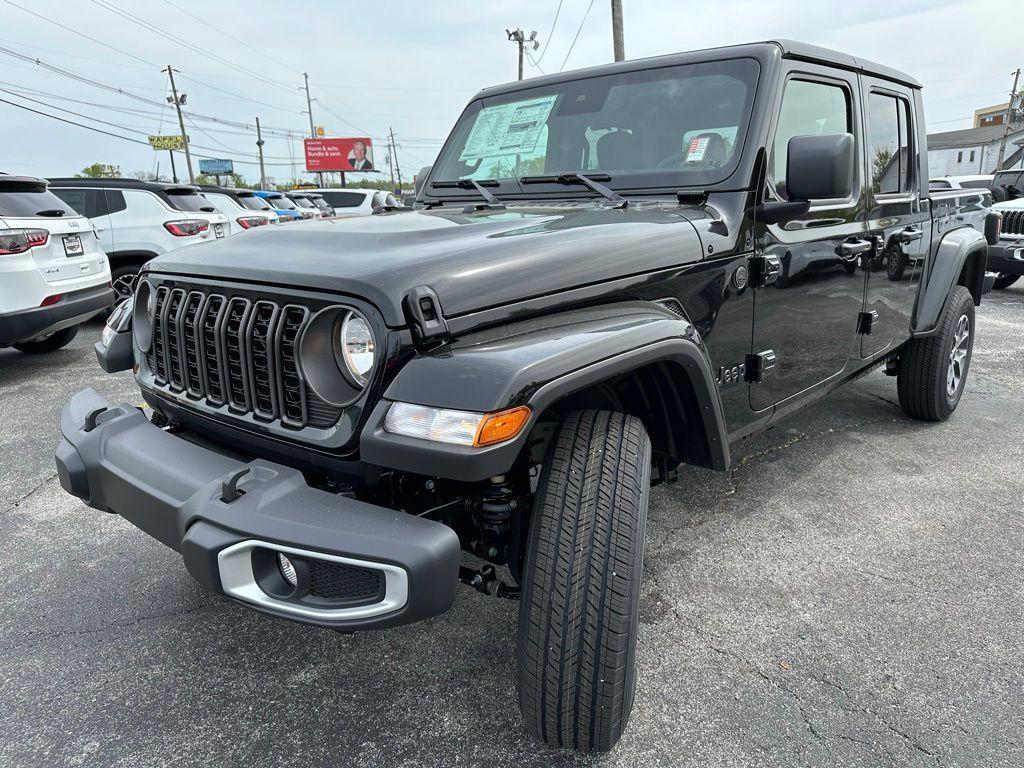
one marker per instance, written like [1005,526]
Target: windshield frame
[636,183]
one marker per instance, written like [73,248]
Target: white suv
[243,205]
[355,202]
[139,220]
[53,273]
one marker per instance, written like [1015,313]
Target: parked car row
[71,248]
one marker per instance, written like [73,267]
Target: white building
[973,150]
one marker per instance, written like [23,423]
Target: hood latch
[426,318]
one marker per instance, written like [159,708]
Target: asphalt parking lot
[849,595]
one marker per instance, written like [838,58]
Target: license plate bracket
[73,245]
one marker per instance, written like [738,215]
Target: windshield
[254,203]
[667,127]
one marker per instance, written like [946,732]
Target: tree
[99,171]
[144,176]
[226,179]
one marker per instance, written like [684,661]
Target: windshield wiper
[579,178]
[491,201]
[50,212]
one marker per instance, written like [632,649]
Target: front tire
[933,370]
[51,343]
[578,616]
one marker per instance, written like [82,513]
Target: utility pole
[391,160]
[259,146]
[519,37]
[312,130]
[394,155]
[618,41]
[1006,121]
[178,101]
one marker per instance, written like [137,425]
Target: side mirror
[820,167]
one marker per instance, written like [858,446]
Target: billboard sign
[214,167]
[166,142]
[355,154]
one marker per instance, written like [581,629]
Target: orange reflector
[501,426]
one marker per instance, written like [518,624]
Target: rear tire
[1004,281]
[933,370]
[51,343]
[578,616]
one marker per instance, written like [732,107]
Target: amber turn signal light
[501,426]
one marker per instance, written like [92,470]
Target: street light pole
[181,123]
[519,37]
[394,156]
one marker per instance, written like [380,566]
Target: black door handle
[910,235]
[851,249]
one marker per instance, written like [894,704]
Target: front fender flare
[536,363]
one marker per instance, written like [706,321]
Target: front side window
[809,108]
[671,126]
[889,143]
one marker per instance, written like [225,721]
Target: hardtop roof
[786,49]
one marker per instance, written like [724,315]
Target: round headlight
[357,347]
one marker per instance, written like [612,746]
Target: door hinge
[758,365]
[866,321]
[764,270]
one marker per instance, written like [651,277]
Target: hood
[1017,204]
[472,261]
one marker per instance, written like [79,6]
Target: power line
[547,41]
[584,21]
[229,35]
[82,34]
[109,133]
[139,21]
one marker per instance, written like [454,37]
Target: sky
[407,65]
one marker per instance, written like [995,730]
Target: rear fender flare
[948,260]
[537,363]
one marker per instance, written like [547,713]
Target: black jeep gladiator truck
[607,274]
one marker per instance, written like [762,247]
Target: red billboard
[339,154]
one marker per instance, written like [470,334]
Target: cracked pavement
[849,594]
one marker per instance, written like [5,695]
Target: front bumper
[223,515]
[1007,257]
[73,309]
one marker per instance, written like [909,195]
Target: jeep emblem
[741,277]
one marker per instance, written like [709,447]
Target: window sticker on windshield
[698,146]
[507,129]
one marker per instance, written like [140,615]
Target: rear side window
[30,200]
[808,109]
[189,201]
[115,201]
[344,199]
[976,184]
[889,143]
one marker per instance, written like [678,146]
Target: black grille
[1013,222]
[335,581]
[230,350]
